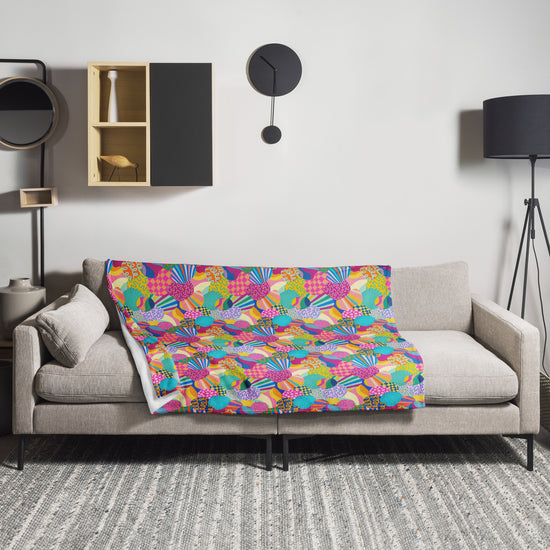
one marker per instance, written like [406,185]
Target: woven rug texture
[109,492]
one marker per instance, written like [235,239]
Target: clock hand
[274,72]
[264,59]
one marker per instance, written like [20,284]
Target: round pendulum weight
[271,134]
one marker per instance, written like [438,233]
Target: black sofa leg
[285,453]
[268,453]
[530,451]
[268,449]
[21,453]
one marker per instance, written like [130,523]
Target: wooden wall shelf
[164,124]
[38,197]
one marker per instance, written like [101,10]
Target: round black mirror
[28,112]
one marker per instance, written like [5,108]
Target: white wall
[380,160]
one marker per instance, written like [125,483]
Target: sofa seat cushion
[460,371]
[107,375]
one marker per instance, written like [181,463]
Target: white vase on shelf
[113,105]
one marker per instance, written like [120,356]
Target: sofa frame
[419,304]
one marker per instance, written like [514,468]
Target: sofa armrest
[29,354]
[516,342]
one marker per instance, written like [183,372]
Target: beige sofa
[481,375]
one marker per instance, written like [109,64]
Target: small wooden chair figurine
[118,162]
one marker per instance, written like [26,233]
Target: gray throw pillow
[70,331]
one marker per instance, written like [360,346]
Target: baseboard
[544,401]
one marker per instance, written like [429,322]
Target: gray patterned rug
[182,493]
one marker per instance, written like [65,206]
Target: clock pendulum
[274,70]
[271,133]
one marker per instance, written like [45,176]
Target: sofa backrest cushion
[424,298]
[93,276]
[432,297]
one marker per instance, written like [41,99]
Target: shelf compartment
[131,85]
[130,142]
[38,197]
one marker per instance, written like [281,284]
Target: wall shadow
[9,202]
[470,143]
[59,283]
[67,160]
[470,156]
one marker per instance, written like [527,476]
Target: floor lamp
[518,127]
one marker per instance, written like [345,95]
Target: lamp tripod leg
[523,233]
[543,226]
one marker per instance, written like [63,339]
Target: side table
[6,356]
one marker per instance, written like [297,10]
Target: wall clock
[274,70]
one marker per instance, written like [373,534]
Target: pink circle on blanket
[291,394]
[378,390]
[279,375]
[270,313]
[207,392]
[351,313]
[259,407]
[172,406]
[321,324]
[367,345]
[157,377]
[339,354]
[241,324]
[266,339]
[181,291]
[364,373]
[196,374]
[346,404]
[285,348]
[193,314]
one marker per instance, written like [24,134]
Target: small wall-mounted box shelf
[38,197]
[164,124]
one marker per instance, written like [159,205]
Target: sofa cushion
[70,330]
[460,371]
[107,375]
[432,298]
[424,298]
[93,276]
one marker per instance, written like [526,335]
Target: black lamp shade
[516,127]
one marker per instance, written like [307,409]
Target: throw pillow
[70,331]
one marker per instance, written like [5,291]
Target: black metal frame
[529,437]
[285,440]
[267,437]
[42,154]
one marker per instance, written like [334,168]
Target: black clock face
[274,70]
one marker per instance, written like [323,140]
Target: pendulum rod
[272,110]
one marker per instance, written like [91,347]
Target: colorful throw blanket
[261,340]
